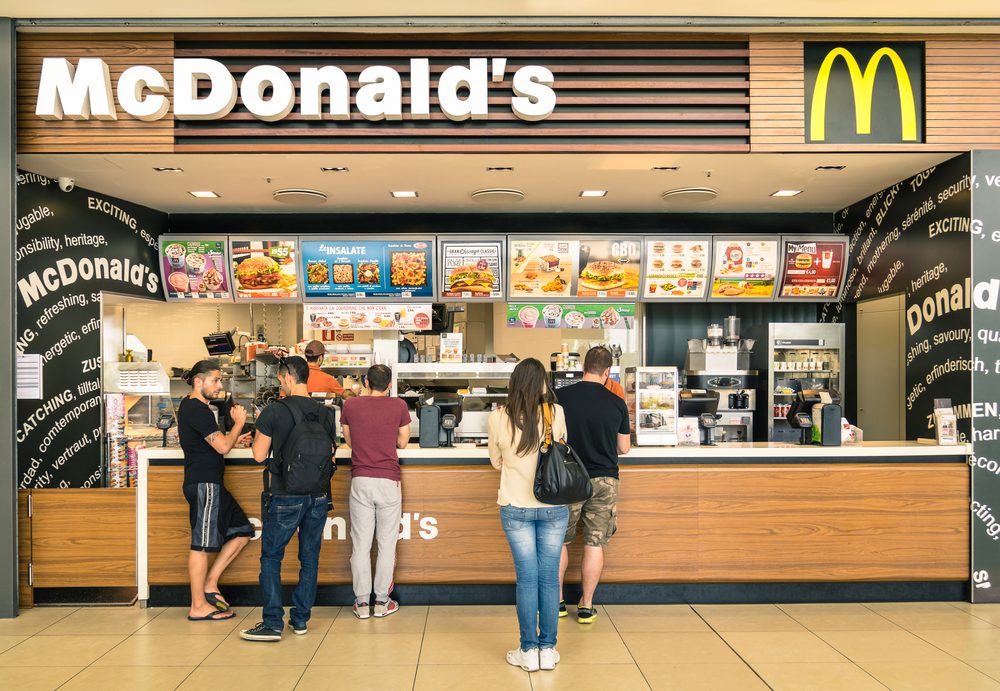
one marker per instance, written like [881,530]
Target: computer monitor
[219,344]
[695,402]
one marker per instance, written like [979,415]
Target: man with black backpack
[295,437]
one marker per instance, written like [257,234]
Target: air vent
[300,197]
[498,196]
[690,194]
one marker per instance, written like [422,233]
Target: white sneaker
[525,659]
[548,658]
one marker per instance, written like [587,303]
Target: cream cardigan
[517,473]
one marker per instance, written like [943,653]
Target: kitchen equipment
[731,331]
[651,398]
[714,335]
[566,378]
[737,401]
[701,404]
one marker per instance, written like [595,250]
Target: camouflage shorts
[599,513]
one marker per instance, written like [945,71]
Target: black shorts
[215,515]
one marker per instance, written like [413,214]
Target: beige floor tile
[651,619]
[882,646]
[932,676]
[466,648]
[269,677]
[132,678]
[37,678]
[620,677]
[595,649]
[388,649]
[359,678]
[569,626]
[991,669]
[989,611]
[747,618]
[660,648]
[936,617]
[8,642]
[838,617]
[461,619]
[174,621]
[967,644]
[910,607]
[161,651]
[290,650]
[781,646]
[58,651]
[28,622]
[701,677]
[406,620]
[817,676]
[103,621]
[502,677]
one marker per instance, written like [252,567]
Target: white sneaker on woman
[548,658]
[525,659]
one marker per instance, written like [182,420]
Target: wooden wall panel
[25,592]
[120,51]
[692,523]
[83,537]
[963,93]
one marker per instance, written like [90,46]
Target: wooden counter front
[898,521]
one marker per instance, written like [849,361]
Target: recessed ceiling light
[497,195]
[206,194]
[594,193]
[500,169]
[404,194]
[335,169]
[786,193]
[665,167]
[690,194]
[299,196]
[167,169]
[830,167]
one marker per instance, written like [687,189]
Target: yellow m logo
[863,84]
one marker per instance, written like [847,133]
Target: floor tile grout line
[611,620]
[964,662]
[735,652]
[420,652]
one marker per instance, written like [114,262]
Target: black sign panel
[864,93]
[71,246]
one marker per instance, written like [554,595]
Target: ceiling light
[205,194]
[498,195]
[594,193]
[786,193]
[404,194]
[690,194]
[335,169]
[500,169]
[299,196]
[665,167]
[167,169]
[830,167]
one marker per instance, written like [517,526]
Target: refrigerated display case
[795,356]
[651,397]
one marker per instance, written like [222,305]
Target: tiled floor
[934,645]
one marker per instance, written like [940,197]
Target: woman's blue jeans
[536,540]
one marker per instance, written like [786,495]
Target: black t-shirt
[594,419]
[276,421]
[202,463]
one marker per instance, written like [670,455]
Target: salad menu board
[367,317]
[471,269]
[573,316]
[368,269]
[194,268]
[677,269]
[745,269]
[561,269]
[814,269]
[264,269]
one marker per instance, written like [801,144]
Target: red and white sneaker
[384,609]
[361,610]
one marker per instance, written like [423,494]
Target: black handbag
[561,477]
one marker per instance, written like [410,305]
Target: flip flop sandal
[215,599]
[211,616]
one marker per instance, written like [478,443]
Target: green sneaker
[562,609]
[586,615]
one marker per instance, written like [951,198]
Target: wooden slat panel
[25,592]
[83,537]
[776,104]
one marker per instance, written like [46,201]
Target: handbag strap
[547,415]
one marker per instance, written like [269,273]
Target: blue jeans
[536,539]
[285,516]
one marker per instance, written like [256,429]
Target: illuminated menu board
[472,269]
[744,268]
[340,268]
[264,269]
[195,268]
[677,268]
[813,268]
[586,268]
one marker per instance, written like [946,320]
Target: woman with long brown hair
[534,530]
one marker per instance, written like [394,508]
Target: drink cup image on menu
[176,252]
[552,314]
[196,264]
[528,316]
[827,260]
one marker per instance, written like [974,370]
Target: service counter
[733,513]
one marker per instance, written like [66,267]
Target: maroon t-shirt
[375,423]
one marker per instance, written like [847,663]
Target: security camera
[67,184]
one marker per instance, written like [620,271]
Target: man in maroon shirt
[375,426]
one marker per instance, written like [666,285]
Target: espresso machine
[721,363]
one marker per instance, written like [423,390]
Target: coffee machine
[721,363]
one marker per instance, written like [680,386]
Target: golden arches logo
[863,85]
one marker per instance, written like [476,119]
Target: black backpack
[306,457]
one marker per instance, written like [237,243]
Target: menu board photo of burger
[194,268]
[677,269]
[358,269]
[744,268]
[471,269]
[813,268]
[543,269]
[264,269]
[609,268]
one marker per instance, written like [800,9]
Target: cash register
[816,413]
[439,416]
[704,405]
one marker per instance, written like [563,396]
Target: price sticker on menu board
[813,268]
[362,269]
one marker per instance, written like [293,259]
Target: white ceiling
[550,182]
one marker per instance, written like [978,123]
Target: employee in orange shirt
[614,387]
[320,381]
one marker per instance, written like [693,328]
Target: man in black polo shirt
[597,424]
[288,513]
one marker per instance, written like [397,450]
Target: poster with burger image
[194,268]
[472,269]
[609,268]
[813,268]
[744,268]
[677,268]
[264,270]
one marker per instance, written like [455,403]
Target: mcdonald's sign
[864,93]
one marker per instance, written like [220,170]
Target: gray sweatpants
[376,510]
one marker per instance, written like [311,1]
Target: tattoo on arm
[210,438]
